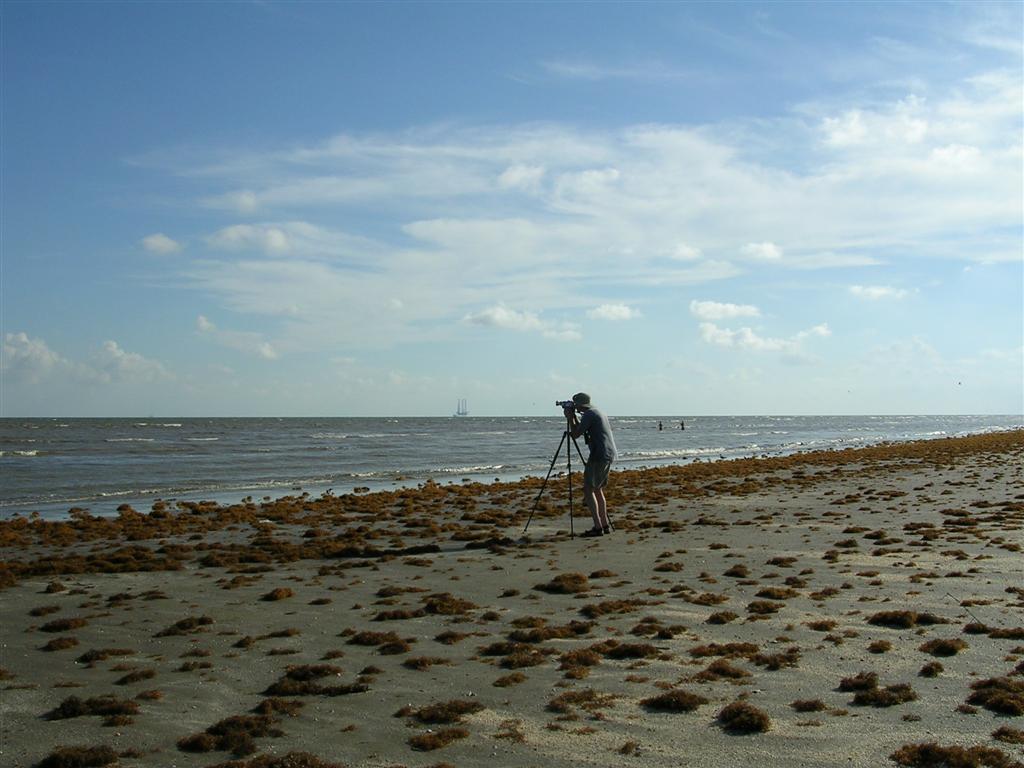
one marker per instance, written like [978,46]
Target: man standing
[597,432]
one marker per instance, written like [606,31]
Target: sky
[348,209]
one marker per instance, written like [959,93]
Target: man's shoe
[592,532]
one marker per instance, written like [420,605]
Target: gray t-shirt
[598,431]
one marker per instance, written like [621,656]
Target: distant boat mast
[462,409]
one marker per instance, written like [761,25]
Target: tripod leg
[554,458]
[568,466]
[578,451]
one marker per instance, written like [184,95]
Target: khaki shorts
[595,474]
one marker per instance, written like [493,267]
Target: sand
[540,650]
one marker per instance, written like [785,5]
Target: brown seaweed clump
[280,593]
[514,678]
[595,610]
[540,634]
[1000,695]
[442,713]
[720,669]
[304,680]
[1008,735]
[428,742]
[136,676]
[586,699]
[776,661]
[63,625]
[808,705]
[387,643]
[727,650]
[741,718]
[420,663]
[675,700]
[79,757]
[943,647]
[763,607]
[274,706]
[105,706]
[931,755]
[90,658]
[890,696]
[904,619]
[287,760]
[446,604]
[186,626]
[862,681]
[565,584]
[721,617]
[60,643]
[234,734]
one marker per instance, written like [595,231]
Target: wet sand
[854,604]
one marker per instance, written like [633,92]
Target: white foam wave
[356,435]
[19,453]
[129,440]
[671,454]
[466,470]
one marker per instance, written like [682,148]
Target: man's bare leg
[601,513]
[593,505]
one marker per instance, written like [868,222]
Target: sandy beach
[856,608]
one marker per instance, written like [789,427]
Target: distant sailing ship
[462,409]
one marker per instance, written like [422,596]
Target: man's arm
[574,428]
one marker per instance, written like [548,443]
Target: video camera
[564,404]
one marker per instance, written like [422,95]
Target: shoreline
[770,582]
[107,504]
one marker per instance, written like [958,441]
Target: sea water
[51,465]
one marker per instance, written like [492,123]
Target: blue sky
[264,208]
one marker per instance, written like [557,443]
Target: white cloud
[503,317]
[116,364]
[521,176]
[961,157]
[684,252]
[747,339]
[244,341]
[902,122]
[160,243]
[829,260]
[27,358]
[762,251]
[540,205]
[876,292]
[637,70]
[509,319]
[243,201]
[713,310]
[821,330]
[32,360]
[845,130]
[613,312]
[296,239]
[270,239]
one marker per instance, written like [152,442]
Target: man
[594,427]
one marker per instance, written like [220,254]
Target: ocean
[51,465]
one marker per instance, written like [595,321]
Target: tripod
[568,466]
